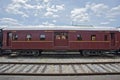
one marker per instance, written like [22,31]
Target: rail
[59,69]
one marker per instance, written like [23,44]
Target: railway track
[59,69]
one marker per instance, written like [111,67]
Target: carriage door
[112,39]
[9,38]
[61,38]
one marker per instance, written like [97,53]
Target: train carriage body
[60,39]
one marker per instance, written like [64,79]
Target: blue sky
[60,12]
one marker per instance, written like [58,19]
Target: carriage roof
[89,28]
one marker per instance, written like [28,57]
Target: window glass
[10,35]
[28,36]
[61,35]
[15,37]
[79,37]
[42,37]
[57,36]
[93,37]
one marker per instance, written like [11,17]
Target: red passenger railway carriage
[87,40]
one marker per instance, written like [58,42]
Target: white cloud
[9,22]
[43,8]
[19,1]
[15,6]
[60,7]
[54,21]
[28,6]
[56,16]
[12,10]
[49,14]
[114,12]
[99,9]
[52,9]
[112,20]
[46,1]
[22,8]
[47,23]
[104,11]
[38,7]
[8,19]
[79,14]
[104,23]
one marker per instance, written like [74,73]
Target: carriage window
[15,37]
[9,34]
[61,35]
[42,37]
[79,37]
[93,37]
[29,37]
[57,36]
[105,37]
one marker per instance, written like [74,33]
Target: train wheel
[86,53]
[40,51]
[81,53]
[0,52]
[36,53]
